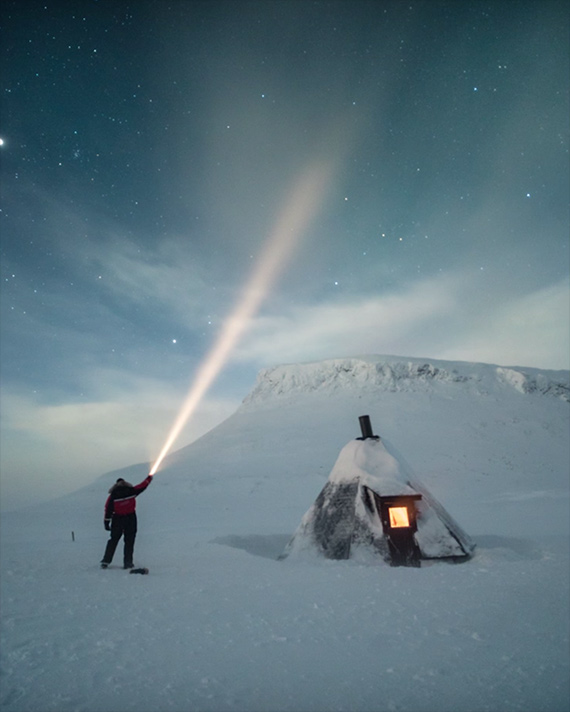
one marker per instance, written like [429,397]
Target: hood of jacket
[119,483]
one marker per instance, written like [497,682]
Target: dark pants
[125,526]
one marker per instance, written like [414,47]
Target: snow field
[223,629]
[219,624]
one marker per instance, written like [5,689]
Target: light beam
[301,207]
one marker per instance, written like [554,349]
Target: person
[121,519]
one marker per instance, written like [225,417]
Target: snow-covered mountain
[220,624]
[389,373]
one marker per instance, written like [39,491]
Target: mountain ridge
[393,373]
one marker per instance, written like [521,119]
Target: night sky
[148,148]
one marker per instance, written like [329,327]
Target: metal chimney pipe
[366,427]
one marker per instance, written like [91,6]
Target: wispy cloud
[169,277]
[532,330]
[450,316]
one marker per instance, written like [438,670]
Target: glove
[107,525]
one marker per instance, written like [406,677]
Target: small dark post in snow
[72,536]
[366,428]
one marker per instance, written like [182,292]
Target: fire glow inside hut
[371,505]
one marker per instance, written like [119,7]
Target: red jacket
[122,497]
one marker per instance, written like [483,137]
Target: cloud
[91,263]
[371,324]
[530,330]
[453,316]
[49,449]
[168,277]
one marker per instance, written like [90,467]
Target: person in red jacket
[121,519]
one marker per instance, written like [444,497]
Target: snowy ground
[220,624]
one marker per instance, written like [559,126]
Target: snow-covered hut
[372,505]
